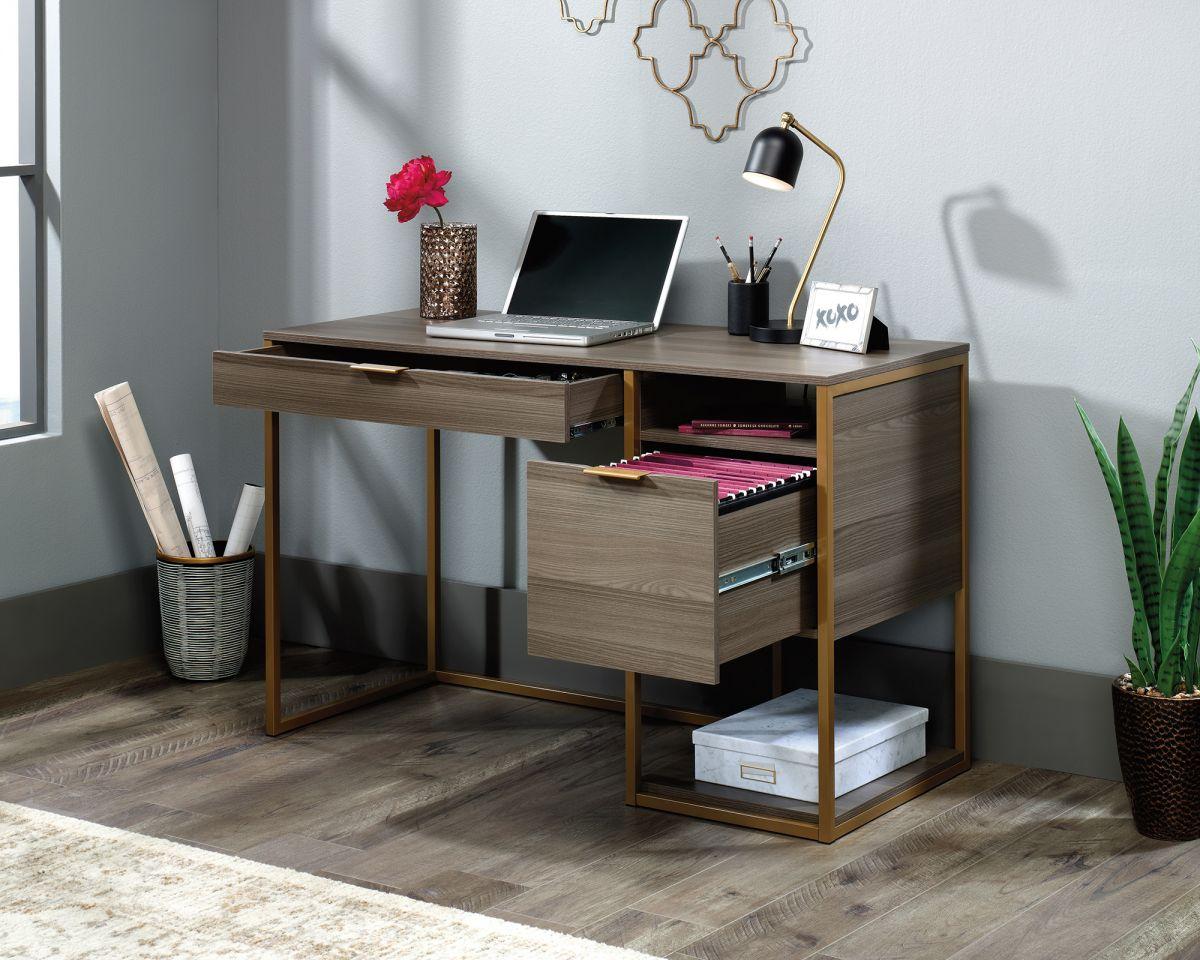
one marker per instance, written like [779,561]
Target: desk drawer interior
[551,403]
[651,574]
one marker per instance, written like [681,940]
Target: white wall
[134,216]
[1020,175]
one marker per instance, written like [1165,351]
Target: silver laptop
[582,279]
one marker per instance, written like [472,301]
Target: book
[703,425]
[777,433]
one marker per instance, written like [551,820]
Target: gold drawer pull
[376,368]
[617,473]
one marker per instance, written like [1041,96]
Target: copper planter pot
[448,270]
[1158,742]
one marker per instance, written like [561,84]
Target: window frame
[32,216]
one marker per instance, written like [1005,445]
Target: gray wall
[1020,175]
[134,205]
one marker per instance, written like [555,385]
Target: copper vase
[448,269]
[1158,742]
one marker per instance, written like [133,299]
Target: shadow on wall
[1001,242]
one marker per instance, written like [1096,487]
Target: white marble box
[772,748]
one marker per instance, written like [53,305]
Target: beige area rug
[72,889]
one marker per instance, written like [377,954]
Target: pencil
[733,270]
[751,258]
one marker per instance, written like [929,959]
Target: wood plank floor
[513,807]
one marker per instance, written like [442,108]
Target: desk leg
[433,545]
[962,598]
[274,650]
[826,813]
[633,737]
[632,417]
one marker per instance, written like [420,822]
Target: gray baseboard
[55,632]
[1033,716]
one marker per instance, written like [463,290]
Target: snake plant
[1161,547]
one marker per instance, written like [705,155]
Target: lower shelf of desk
[672,789]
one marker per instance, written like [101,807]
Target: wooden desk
[890,501]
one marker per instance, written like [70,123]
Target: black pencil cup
[748,305]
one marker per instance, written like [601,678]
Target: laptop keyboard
[513,319]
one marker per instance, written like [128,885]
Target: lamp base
[775,331]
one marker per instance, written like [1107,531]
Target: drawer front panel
[622,574]
[269,379]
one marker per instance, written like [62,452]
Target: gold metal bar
[271,625]
[706,811]
[891,376]
[932,779]
[433,545]
[633,737]
[790,121]
[596,701]
[962,599]
[826,617]
[617,473]
[353,702]
[632,412]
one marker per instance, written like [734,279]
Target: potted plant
[1156,705]
[448,250]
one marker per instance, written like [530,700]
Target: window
[22,230]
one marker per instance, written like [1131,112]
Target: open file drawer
[624,571]
[299,378]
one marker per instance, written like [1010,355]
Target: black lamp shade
[774,160]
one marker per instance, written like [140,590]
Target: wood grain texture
[1095,911]
[754,877]
[1173,933]
[622,574]
[965,906]
[275,378]
[603,887]
[120,746]
[814,915]
[644,932]
[758,614]
[684,349]
[463,890]
[750,534]
[897,498]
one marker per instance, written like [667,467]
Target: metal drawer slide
[786,561]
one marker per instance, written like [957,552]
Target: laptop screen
[603,267]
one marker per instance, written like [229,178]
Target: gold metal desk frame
[826,824]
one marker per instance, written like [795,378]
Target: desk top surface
[675,348]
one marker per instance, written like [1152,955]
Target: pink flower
[418,183]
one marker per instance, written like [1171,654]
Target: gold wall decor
[592,27]
[710,42]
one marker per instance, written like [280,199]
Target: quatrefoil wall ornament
[592,27]
[716,43]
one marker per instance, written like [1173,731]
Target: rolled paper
[245,519]
[194,517]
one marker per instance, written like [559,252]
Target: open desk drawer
[295,378]
[624,572]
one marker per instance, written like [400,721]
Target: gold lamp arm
[790,121]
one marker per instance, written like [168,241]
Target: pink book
[741,432]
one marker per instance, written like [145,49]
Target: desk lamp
[774,163]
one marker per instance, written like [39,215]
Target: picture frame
[839,317]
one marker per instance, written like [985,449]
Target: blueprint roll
[194,517]
[245,519]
